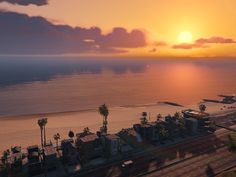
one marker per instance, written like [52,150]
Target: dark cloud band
[21,34]
[27,2]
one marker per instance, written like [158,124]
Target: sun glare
[185,37]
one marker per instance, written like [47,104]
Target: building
[131,137]
[201,117]
[190,113]
[125,148]
[33,154]
[83,134]
[34,166]
[69,152]
[15,161]
[112,144]
[89,147]
[172,125]
[148,132]
[191,126]
[50,157]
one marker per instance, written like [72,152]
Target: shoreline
[27,116]
[23,130]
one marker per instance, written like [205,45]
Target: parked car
[126,164]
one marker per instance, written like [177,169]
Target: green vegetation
[42,124]
[56,138]
[143,119]
[71,134]
[202,108]
[103,110]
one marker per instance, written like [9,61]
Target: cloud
[215,40]
[155,45]
[21,34]
[120,38]
[27,2]
[204,43]
[189,46]
[160,43]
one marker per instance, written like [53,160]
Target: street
[195,154]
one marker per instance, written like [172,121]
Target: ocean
[33,84]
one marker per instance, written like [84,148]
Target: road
[189,154]
[201,166]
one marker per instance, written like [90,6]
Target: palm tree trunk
[57,144]
[41,131]
[105,119]
[44,135]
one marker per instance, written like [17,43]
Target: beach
[23,130]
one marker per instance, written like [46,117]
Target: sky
[119,27]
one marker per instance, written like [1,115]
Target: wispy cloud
[156,45]
[27,2]
[160,43]
[189,46]
[204,43]
[215,40]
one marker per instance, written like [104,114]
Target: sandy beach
[24,130]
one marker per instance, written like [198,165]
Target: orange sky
[163,20]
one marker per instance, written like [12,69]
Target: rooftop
[67,141]
[49,150]
[33,147]
[112,137]
[89,138]
[195,113]
[130,131]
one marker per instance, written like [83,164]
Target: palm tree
[103,110]
[45,121]
[202,108]
[177,115]
[163,134]
[56,138]
[71,134]
[86,131]
[5,155]
[159,117]
[40,123]
[143,119]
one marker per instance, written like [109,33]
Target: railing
[225,127]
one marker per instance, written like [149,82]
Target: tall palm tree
[103,110]
[40,123]
[56,138]
[202,108]
[45,121]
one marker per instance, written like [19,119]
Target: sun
[185,37]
